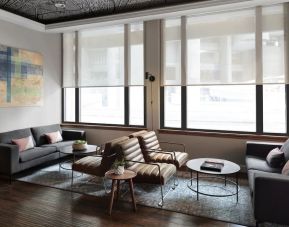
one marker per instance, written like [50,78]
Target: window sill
[104,127]
[231,135]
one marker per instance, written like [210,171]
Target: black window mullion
[259,109]
[287,107]
[162,107]
[63,104]
[126,106]
[145,105]
[77,104]
[184,106]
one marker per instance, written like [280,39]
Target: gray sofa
[269,188]
[12,161]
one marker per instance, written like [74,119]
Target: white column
[152,41]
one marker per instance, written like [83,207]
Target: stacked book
[212,165]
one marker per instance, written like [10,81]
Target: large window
[223,87]
[102,105]
[274,110]
[136,75]
[108,87]
[229,107]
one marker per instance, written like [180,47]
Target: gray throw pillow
[275,158]
[285,169]
[285,149]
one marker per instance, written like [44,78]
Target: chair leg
[72,179]
[161,203]
[164,195]
[104,185]
[176,181]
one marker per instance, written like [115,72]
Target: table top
[69,150]
[128,174]
[229,167]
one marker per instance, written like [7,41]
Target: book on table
[212,165]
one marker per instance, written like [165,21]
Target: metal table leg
[237,187]
[59,164]
[197,185]
[191,177]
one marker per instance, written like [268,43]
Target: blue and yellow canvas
[21,77]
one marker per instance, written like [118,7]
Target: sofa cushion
[39,133]
[24,143]
[35,152]
[54,137]
[275,158]
[7,137]
[285,149]
[261,164]
[59,145]
[285,169]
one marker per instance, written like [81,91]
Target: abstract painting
[21,77]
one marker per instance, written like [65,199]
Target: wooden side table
[128,175]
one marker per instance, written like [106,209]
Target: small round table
[128,175]
[228,168]
[90,150]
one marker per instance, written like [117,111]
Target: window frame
[126,110]
[126,86]
[258,86]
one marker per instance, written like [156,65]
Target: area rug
[182,199]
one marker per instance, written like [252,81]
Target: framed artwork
[21,77]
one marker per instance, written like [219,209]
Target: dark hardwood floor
[23,204]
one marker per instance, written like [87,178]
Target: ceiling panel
[53,11]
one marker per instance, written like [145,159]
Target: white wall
[49,45]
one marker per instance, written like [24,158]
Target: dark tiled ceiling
[45,11]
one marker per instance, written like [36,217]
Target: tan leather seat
[153,153]
[98,165]
[154,173]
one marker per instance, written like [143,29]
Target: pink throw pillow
[54,137]
[24,143]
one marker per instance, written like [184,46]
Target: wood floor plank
[23,204]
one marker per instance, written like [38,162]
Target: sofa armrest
[72,134]
[9,158]
[271,201]
[260,149]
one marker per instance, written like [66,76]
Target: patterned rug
[182,199]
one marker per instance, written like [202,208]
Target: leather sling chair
[153,152]
[98,165]
[147,172]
